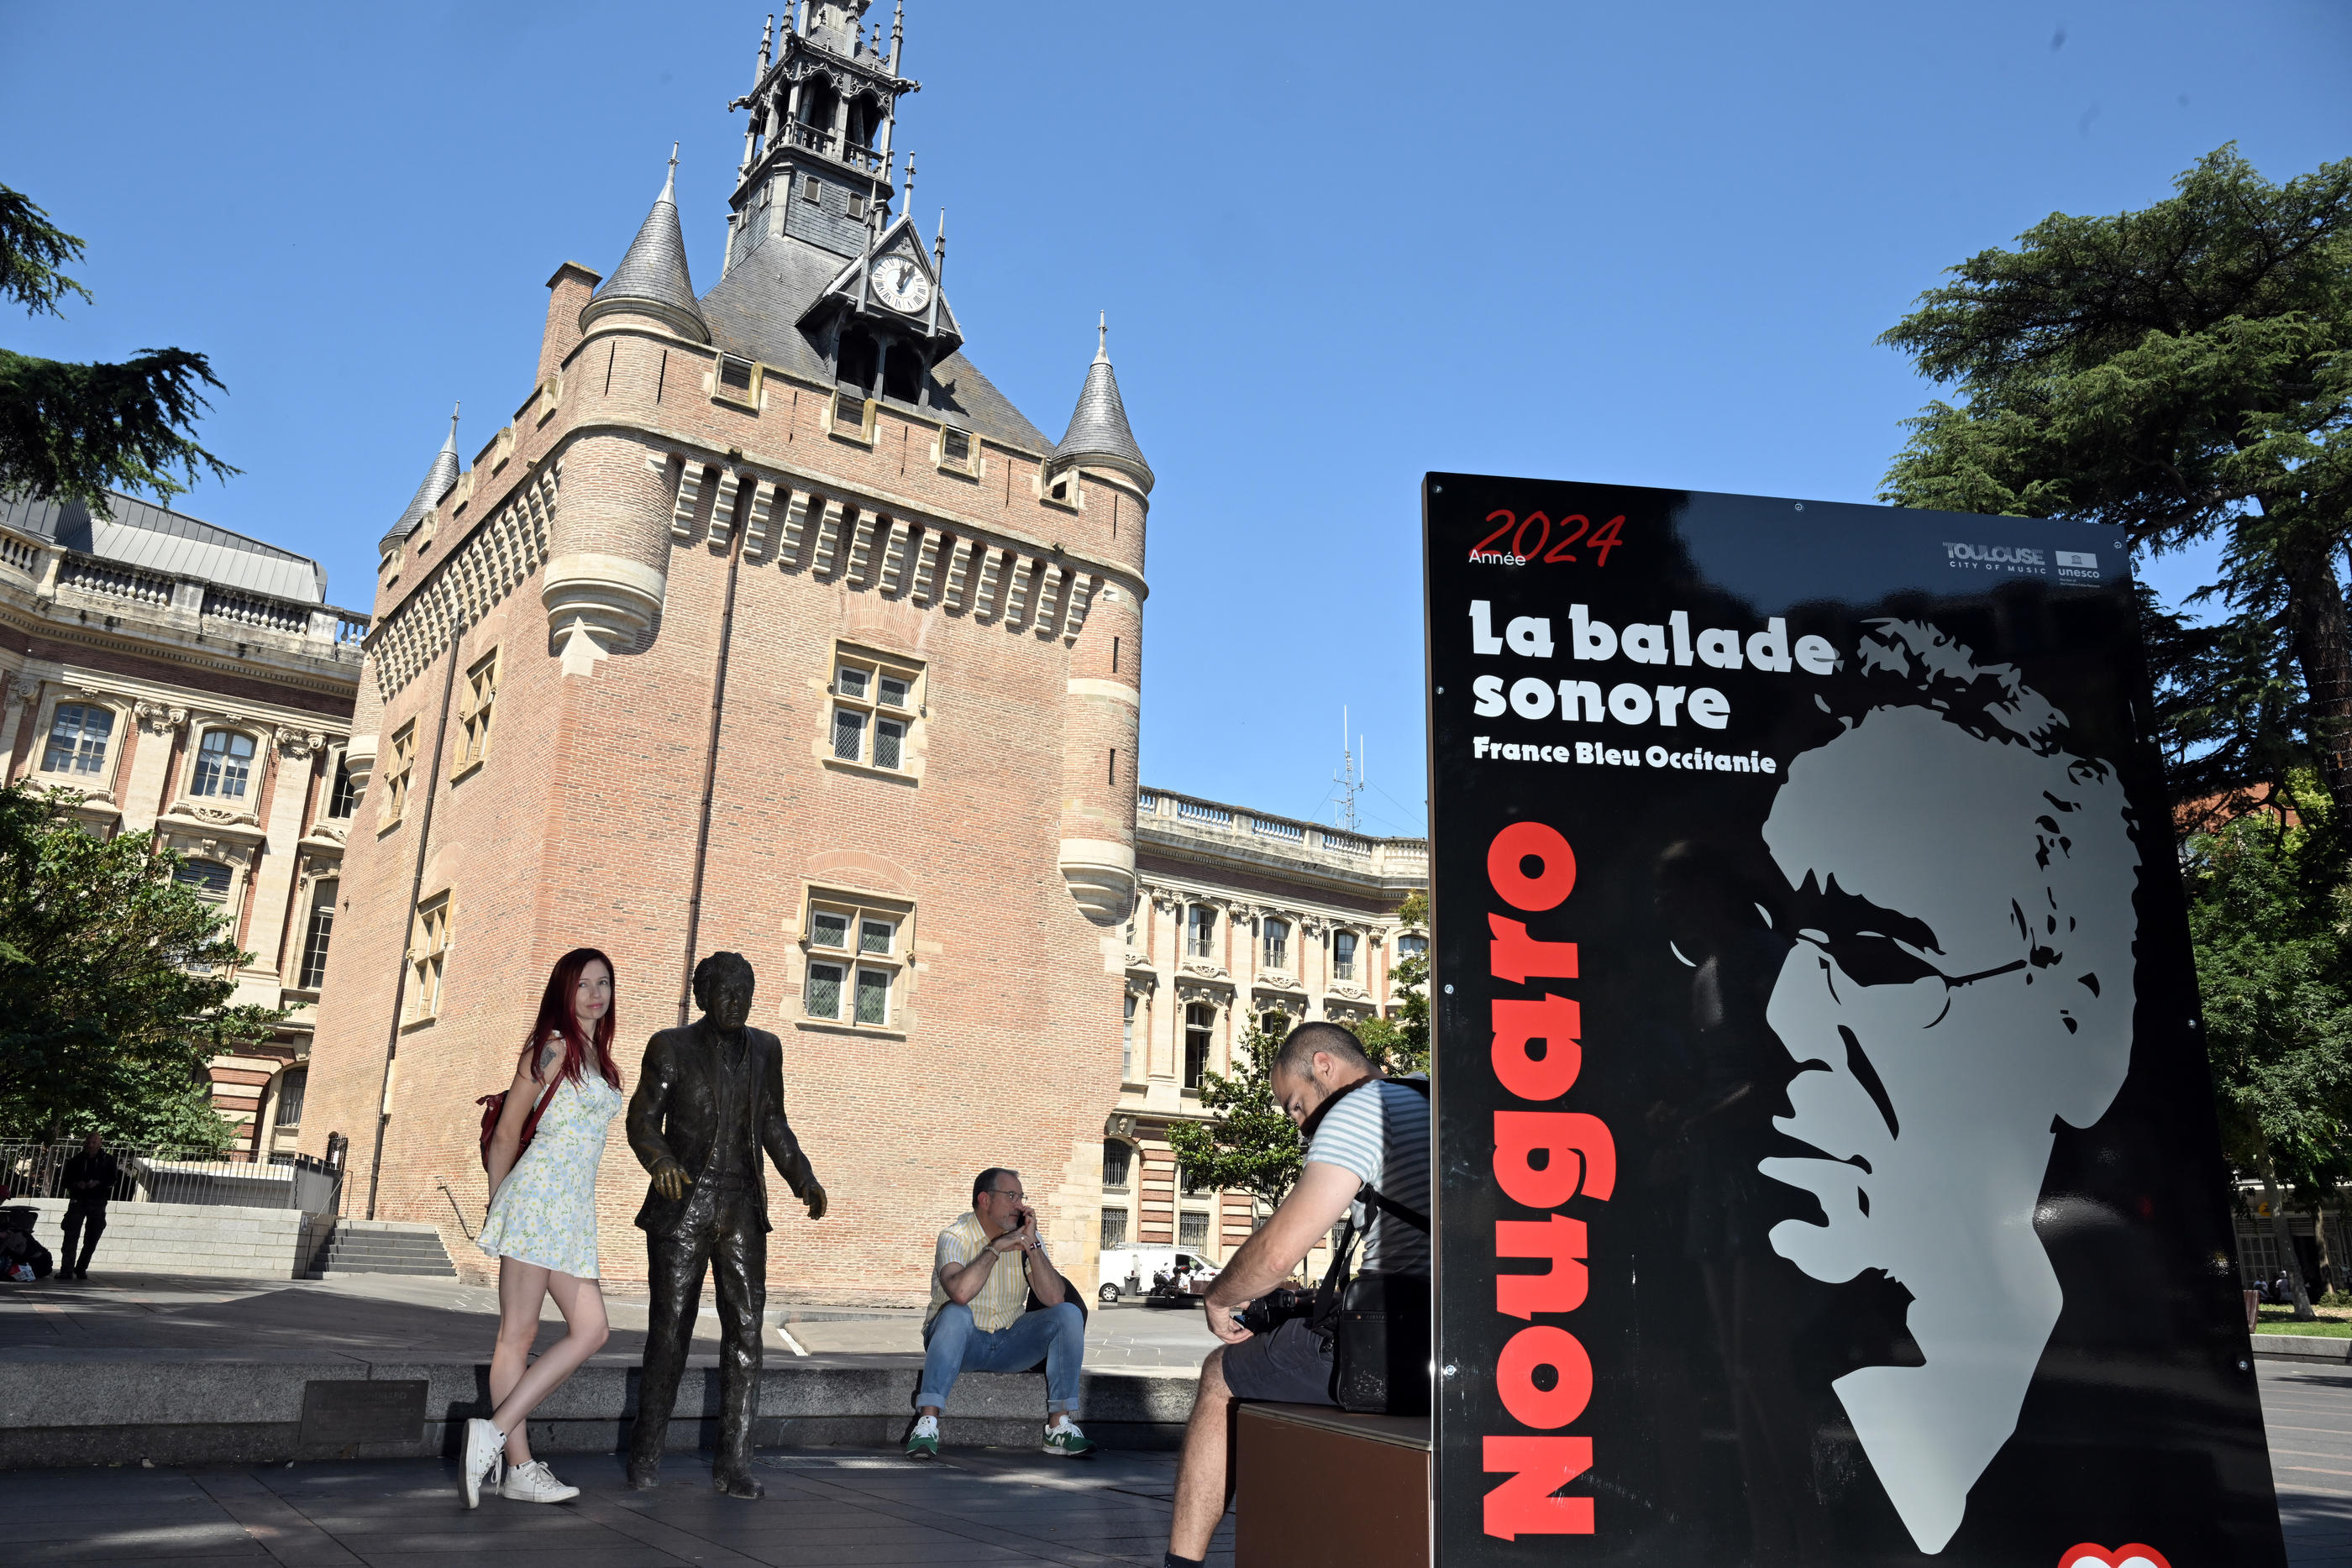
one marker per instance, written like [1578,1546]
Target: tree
[2177,372]
[77,431]
[2270,919]
[115,985]
[1249,1144]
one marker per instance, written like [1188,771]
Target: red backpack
[494,1105]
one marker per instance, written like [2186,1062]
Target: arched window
[78,736]
[1343,955]
[1278,943]
[857,359]
[864,121]
[1200,1030]
[224,764]
[817,101]
[1118,1161]
[902,374]
[1126,1039]
[1412,947]
[344,797]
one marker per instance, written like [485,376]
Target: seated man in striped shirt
[980,1319]
[1362,1130]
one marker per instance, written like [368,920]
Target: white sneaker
[534,1482]
[485,1445]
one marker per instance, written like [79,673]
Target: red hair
[556,1017]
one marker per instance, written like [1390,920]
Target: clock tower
[815,189]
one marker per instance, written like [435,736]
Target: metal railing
[153,1175]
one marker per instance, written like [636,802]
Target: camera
[1276,1307]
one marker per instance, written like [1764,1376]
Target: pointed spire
[909,186]
[653,279]
[439,480]
[1098,432]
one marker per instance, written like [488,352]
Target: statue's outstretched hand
[813,1195]
[670,1179]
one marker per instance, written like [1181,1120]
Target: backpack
[494,1106]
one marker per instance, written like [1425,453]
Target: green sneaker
[923,1442]
[1065,1441]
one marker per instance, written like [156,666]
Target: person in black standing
[89,1182]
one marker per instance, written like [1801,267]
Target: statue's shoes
[643,1477]
[736,1483]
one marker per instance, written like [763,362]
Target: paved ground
[995,1508]
[375,1315]
[2308,1411]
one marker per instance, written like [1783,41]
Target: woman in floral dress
[543,1221]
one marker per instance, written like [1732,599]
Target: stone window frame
[316,942]
[102,779]
[398,775]
[1187,1081]
[967,467]
[1134,1010]
[339,773]
[748,395]
[432,933]
[1355,955]
[860,434]
[852,957]
[1134,1164]
[1126,1234]
[1201,934]
[476,705]
[1275,955]
[256,765]
[865,700]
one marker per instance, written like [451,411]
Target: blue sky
[1340,244]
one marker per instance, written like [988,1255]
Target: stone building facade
[1243,915]
[766,624]
[185,678]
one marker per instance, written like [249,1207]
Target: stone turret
[652,280]
[1096,851]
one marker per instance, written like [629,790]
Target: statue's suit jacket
[675,1113]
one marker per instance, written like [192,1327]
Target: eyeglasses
[1013,1193]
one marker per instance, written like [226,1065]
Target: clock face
[901,284]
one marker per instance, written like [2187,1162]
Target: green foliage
[2271,921]
[76,431]
[1249,1145]
[1399,1044]
[115,989]
[2177,372]
[31,250]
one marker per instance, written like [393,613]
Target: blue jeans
[953,1344]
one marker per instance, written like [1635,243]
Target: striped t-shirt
[1003,1299]
[1380,1133]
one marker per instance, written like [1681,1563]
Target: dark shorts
[1292,1365]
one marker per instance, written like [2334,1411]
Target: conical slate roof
[1098,432]
[652,280]
[439,480]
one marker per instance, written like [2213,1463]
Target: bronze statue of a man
[709,1098]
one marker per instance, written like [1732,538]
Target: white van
[1129,1269]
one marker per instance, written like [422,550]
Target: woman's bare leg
[521,1287]
[581,1302]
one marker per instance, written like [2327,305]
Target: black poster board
[1829,1166]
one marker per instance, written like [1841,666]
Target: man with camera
[980,1319]
[1366,1136]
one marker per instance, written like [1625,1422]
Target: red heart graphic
[2131,1555]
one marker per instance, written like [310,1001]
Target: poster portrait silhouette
[1813,994]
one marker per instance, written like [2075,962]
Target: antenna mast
[1349,782]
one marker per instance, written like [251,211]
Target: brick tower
[766,625]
